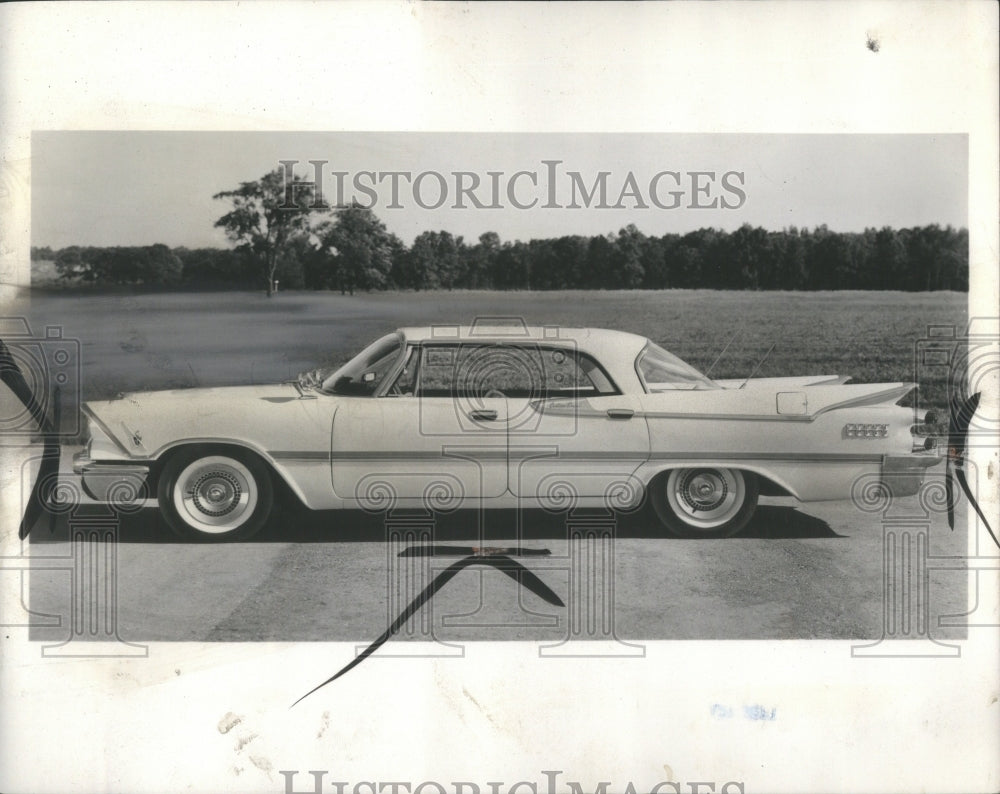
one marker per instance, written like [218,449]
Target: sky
[139,188]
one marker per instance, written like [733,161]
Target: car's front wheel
[215,494]
[704,502]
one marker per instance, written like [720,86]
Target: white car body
[471,443]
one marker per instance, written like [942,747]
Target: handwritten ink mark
[491,557]
[477,551]
[757,712]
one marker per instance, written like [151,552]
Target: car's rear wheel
[704,502]
[215,494]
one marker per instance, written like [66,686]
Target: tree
[70,263]
[600,261]
[479,261]
[157,264]
[266,213]
[360,249]
[216,267]
[435,260]
[628,270]
[751,256]
[144,265]
[654,267]
[512,266]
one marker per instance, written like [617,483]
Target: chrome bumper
[119,483]
[905,473]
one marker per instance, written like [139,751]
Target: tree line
[301,245]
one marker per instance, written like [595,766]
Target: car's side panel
[575,446]
[809,481]
[432,448]
[812,457]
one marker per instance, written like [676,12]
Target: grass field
[174,340]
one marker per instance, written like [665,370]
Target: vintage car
[504,416]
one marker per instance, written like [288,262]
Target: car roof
[604,344]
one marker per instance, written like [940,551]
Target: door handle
[483,414]
[620,413]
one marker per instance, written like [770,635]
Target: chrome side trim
[299,456]
[496,453]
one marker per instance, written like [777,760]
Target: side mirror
[368,377]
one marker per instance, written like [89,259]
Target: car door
[575,434]
[421,437]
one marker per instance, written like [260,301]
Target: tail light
[925,433]
[858,430]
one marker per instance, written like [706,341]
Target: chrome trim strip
[304,455]
[84,464]
[735,417]
[837,457]
[499,454]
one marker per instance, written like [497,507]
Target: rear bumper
[118,483]
[904,474]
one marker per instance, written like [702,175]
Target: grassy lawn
[176,340]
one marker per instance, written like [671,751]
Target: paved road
[797,571]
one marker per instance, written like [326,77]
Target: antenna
[759,363]
[735,334]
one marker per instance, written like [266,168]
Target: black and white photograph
[417,450]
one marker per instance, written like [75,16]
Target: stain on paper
[230,721]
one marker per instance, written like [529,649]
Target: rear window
[662,371]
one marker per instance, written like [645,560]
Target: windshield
[362,375]
[662,371]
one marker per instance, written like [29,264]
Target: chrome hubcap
[215,494]
[705,498]
[703,491]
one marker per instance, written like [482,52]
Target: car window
[504,370]
[362,375]
[405,383]
[662,371]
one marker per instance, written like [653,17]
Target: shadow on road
[781,522]
[770,522]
